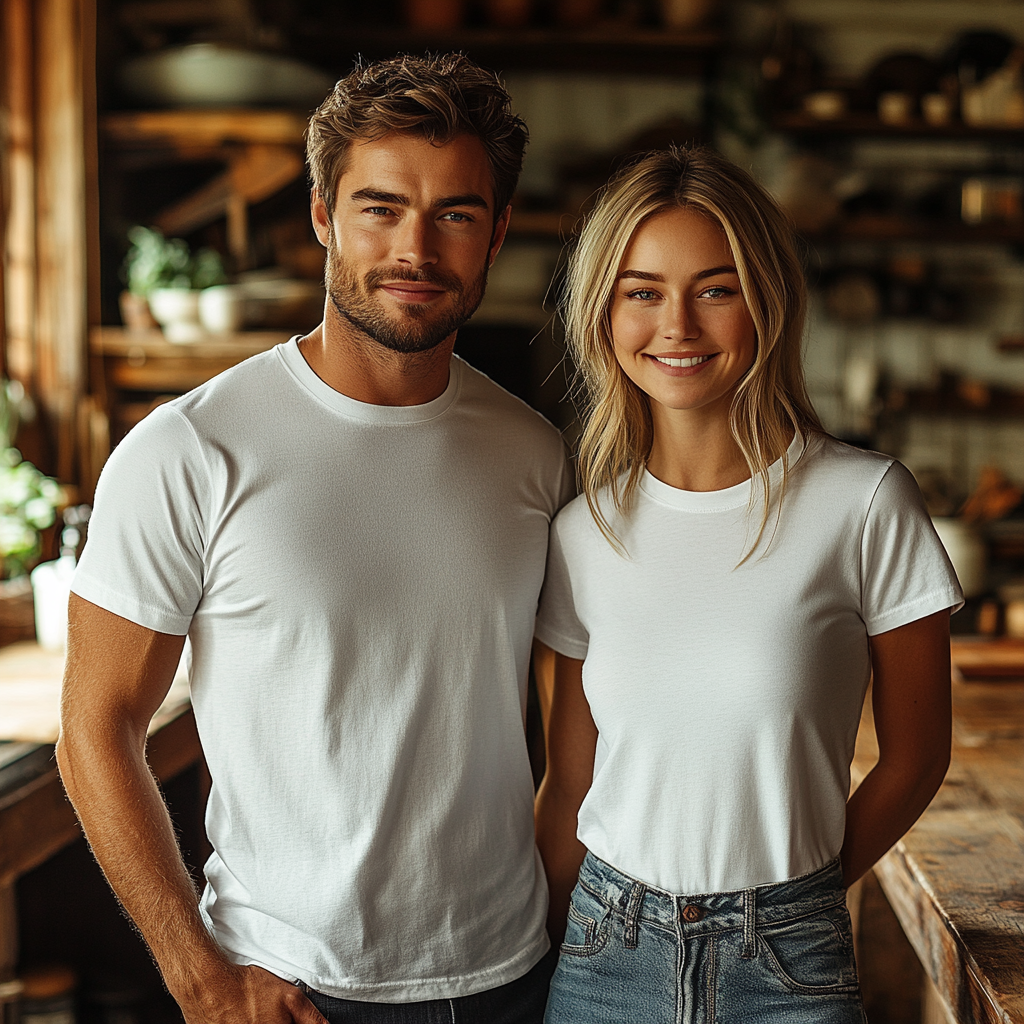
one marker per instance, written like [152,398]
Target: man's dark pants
[519,1002]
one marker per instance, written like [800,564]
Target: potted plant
[28,505]
[169,277]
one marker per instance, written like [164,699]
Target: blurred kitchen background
[154,211]
[155,205]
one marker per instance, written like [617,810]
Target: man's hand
[247,995]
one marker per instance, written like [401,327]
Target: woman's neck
[694,449]
[701,456]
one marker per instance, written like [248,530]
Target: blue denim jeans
[778,953]
[519,1002]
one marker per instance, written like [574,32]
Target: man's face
[412,237]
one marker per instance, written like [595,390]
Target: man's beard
[418,328]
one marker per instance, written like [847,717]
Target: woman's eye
[643,294]
[717,291]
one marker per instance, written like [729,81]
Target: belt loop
[636,901]
[749,921]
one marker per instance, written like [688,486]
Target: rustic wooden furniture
[36,819]
[956,880]
[134,370]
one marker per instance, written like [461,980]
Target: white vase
[176,310]
[222,308]
[966,551]
[51,590]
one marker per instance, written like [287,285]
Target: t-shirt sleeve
[143,559]
[558,624]
[905,571]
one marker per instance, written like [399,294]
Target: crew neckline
[365,412]
[717,501]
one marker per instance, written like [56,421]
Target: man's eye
[377,211]
[456,217]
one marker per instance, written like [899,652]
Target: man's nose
[416,242]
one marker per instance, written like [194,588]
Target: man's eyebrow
[375,195]
[467,199]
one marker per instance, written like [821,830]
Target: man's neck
[355,365]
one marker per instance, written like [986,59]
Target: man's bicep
[117,671]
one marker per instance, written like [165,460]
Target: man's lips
[412,291]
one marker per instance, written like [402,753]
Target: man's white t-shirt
[359,586]
[727,696]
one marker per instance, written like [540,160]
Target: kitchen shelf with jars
[907,184]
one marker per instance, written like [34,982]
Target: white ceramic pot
[222,308]
[51,590]
[966,551]
[176,310]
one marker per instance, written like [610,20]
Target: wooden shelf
[187,129]
[884,228]
[797,123]
[147,361]
[958,399]
[546,224]
[602,49]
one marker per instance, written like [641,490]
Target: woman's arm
[911,702]
[571,742]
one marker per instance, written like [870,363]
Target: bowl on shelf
[211,75]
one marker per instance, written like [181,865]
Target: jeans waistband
[742,908]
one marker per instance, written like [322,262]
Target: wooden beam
[61,235]
[20,236]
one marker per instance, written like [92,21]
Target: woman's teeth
[692,361]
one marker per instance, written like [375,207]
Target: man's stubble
[419,328]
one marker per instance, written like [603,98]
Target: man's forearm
[131,835]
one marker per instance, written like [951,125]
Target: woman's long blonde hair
[771,400]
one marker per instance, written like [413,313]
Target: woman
[718,597]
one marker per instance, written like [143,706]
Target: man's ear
[498,235]
[321,218]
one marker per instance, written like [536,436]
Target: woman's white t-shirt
[727,696]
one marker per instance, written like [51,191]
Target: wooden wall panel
[20,261]
[61,236]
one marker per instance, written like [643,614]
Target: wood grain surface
[956,880]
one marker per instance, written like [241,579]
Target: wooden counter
[956,880]
[36,819]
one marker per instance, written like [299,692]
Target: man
[352,531]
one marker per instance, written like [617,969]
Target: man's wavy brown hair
[437,97]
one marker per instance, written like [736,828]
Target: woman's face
[681,330]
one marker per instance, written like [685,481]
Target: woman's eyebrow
[714,270]
[645,275]
[641,275]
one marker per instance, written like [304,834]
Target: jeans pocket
[585,931]
[813,955]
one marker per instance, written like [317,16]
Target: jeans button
[692,913]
